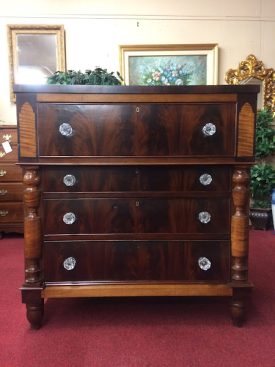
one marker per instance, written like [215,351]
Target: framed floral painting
[151,65]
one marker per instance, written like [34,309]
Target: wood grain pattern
[136,215]
[147,130]
[32,227]
[246,131]
[136,260]
[137,290]
[10,172]
[27,131]
[11,192]
[138,98]
[239,225]
[89,179]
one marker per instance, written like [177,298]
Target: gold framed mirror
[252,71]
[35,52]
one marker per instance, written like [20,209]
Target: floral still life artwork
[168,70]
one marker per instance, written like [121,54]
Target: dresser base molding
[140,290]
[34,297]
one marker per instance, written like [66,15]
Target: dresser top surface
[92,89]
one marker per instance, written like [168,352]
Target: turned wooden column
[31,290]
[239,243]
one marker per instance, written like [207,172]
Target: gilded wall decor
[250,69]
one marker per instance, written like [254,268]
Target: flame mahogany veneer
[136,191]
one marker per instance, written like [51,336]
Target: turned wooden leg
[35,313]
[237,308]
[239,245]
[31,290]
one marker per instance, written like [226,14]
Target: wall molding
[141,17]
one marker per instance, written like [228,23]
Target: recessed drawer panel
[141,215]
[137,260]
[106,179]
[136,129]
[11,212]
[10,172]
[11,191]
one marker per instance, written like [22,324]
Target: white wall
[95,29]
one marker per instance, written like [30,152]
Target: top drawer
[8,134]
[197,129]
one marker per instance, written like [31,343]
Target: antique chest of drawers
[11,186]
[136,191]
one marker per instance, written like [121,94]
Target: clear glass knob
[204,217]
[69,180]
[205,179]
[204,263]
[209,129]
[65,129]
[69,263]
[69,218]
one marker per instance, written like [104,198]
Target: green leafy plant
[263,174]
[265,134]
[261,184]
[97,76]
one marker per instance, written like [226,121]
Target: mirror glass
[260,99]
[36,58]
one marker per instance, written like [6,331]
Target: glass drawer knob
[209,129]
[69,263]
[204,263]
[65,129]
[204,217]
[69,218]
[205,179]
[69,180]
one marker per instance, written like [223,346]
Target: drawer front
[10,172]
[136,130]
[8,134]
[137,260]
[106,179]
[9,157]
[11,212]
[142,215]
[11,191]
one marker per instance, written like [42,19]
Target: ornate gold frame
[16,29]
[253,68]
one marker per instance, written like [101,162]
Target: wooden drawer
[8,134]
[11,212]
[136,215]
[106,179]
[10,172]
[11,191]
[136,129]
[9,157]
[136,261]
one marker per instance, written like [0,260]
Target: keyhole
[137,203]
[137,109]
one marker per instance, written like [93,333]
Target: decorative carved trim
[254,68]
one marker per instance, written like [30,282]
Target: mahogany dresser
[136,191]
[11,186]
